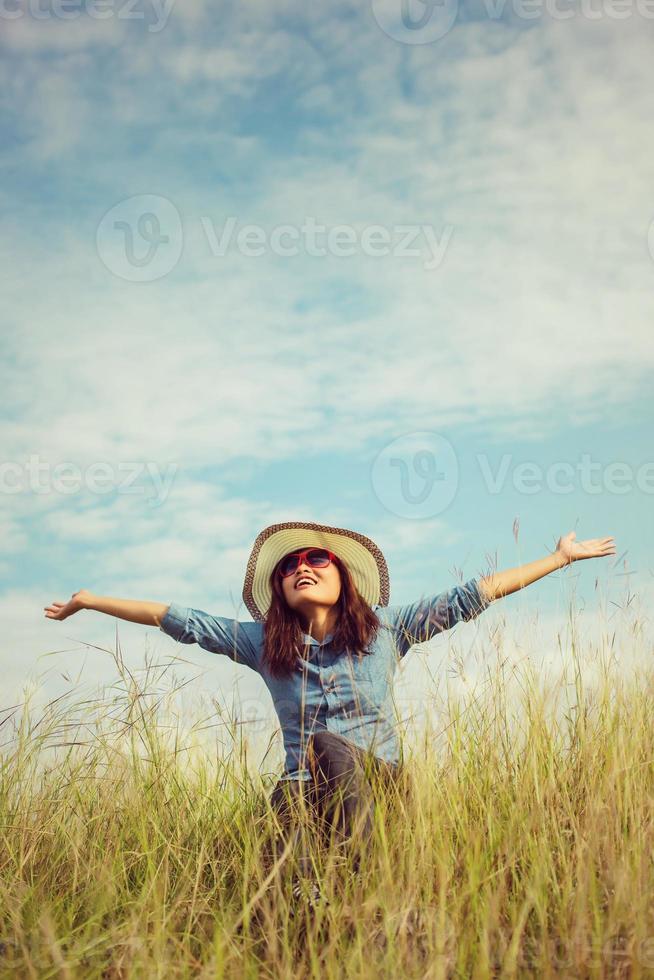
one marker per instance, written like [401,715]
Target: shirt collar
[315,643]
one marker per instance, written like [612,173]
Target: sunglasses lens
[288,565]
[317,558]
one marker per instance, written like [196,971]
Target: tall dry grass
[520,843]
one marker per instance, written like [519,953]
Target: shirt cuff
[484,600]
[174,621]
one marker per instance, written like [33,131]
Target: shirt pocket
[364,682]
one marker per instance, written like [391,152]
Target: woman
[326,643]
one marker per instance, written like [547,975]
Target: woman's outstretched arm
[134,610]
[499,584]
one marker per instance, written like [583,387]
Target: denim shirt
[332,689]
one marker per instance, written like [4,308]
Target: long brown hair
[356,627]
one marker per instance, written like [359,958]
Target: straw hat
[363,558]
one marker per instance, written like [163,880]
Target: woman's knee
[319,747]
[334,757]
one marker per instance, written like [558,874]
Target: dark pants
[338,801]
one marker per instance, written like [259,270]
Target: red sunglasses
[316,557]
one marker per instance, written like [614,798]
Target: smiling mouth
[304,584]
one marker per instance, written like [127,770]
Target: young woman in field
[326,643]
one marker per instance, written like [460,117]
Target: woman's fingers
[606,549]
[53,611]
[596,547]
[62,610]
[58,614]
[603,543]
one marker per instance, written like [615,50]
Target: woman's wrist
[561,559]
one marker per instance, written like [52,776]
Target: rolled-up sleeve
[419,621]
[240,641]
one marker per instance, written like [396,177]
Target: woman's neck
[323,622]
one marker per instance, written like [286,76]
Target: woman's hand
[570,550]
[62,610]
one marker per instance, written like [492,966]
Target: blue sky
[513,152]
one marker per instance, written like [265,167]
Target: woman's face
[324,590]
